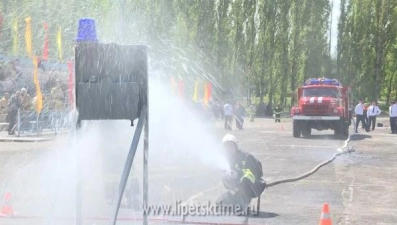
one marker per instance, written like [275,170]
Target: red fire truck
[322,104]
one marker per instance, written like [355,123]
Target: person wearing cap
[244,180]
[359,111]
[393,117]
[372,112]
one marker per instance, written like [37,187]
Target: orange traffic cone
[325,216]
[7,209]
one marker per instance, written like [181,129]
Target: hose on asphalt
[343,150]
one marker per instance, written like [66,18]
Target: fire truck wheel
[296,129]
[306,130]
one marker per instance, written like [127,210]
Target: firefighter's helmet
[229,138]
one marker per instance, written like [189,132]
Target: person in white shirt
[393,117]
[228,111]
[359,111]
[372,112]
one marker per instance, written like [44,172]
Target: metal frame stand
[79,208]
[136,92]
[143,124]
[146,168]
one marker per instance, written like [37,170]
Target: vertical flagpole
[146,153]
[19,122]
[37,122]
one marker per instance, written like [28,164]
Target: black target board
[111,81]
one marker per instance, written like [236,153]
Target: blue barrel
[86,31]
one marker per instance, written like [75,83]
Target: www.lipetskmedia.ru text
[179,209]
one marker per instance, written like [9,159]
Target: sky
[334,28]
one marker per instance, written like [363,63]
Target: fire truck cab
[322,104]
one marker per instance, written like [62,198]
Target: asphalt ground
[359,187]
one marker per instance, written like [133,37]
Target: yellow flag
[195,96]
[28,36]
[15,37]
[59,42]
[206,94]
[39,95]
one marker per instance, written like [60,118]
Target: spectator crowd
[22,102]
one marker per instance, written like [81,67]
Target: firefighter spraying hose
[244,180]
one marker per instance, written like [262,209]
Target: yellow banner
[195,96]
[39,95]
[28,36]
[59,42]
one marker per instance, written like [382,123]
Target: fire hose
[345,149]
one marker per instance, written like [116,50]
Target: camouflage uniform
[57,99]
[26,102]
[4,105]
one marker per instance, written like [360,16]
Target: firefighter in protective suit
[244,180]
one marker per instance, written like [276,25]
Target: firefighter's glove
[230,179]
[231,175]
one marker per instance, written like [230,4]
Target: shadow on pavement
[359,137]
[322,137]
[265,215]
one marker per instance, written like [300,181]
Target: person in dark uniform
[277,113]
[240,114]
[244,180]
[14,105]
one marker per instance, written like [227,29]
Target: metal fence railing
[30,122]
